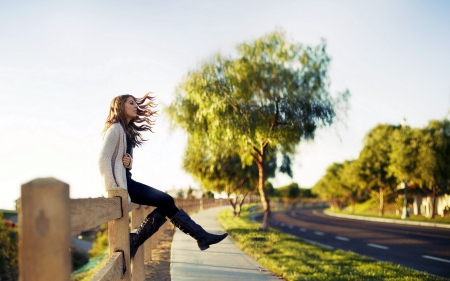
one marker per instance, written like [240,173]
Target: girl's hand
[126,160]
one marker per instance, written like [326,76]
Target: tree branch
[257,151]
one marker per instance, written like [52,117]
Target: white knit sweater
[110,159]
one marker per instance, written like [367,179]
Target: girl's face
[130,108]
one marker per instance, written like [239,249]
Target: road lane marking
[291,226]
[342,238]
[302,229]
[434,258]
[319,233]
[317,243]
[377,246]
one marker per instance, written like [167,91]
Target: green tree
[434,155]
[272,95]
[341,183]
[351,183]
[9,267]
[420,156]
[290,191]
[222,170]
[374,161]
[404,155]
[330,187]
[306,193]
[218,171]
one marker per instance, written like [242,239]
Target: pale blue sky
[62,62]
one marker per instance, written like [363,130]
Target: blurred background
[61,63]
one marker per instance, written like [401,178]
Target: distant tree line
[392,156]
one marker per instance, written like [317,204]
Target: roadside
[386,220]
[160,266]
[297,259]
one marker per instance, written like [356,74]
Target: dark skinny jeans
[146,195]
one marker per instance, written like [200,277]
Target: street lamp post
[405,213]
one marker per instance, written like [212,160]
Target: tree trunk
[240,204]
[381,200]
[262,192]
[433,203]
[352,202]
[233,204]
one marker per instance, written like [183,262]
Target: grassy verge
[369,209]
[293,259]
[87,271]
[396,217]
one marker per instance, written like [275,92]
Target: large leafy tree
[404,155]
[434,155]
[420,156]
[272,95]
[374,161]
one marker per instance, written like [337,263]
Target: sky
[62,62]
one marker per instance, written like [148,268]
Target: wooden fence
[48,218]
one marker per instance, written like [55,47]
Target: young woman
[128,117]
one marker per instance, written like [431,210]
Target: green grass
[365,206]
[369,209]
[397,217]
[87,271]
[293,259]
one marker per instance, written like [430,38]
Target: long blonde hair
[145,114]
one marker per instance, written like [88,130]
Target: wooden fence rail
[48,219]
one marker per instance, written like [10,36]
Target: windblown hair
[145,115]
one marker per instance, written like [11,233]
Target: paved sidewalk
[223,261]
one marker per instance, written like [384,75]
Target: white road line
[302,229]
[319,233]
[342,238]
[317,243]
[436,259]
[291,226]
[377,246]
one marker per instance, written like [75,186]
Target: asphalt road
[421,248]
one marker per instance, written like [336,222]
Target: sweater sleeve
[131,161]
[106,161]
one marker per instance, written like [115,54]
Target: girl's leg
[147,195]
[165,206]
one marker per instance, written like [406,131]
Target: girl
[128,117]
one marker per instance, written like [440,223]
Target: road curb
[416,223]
